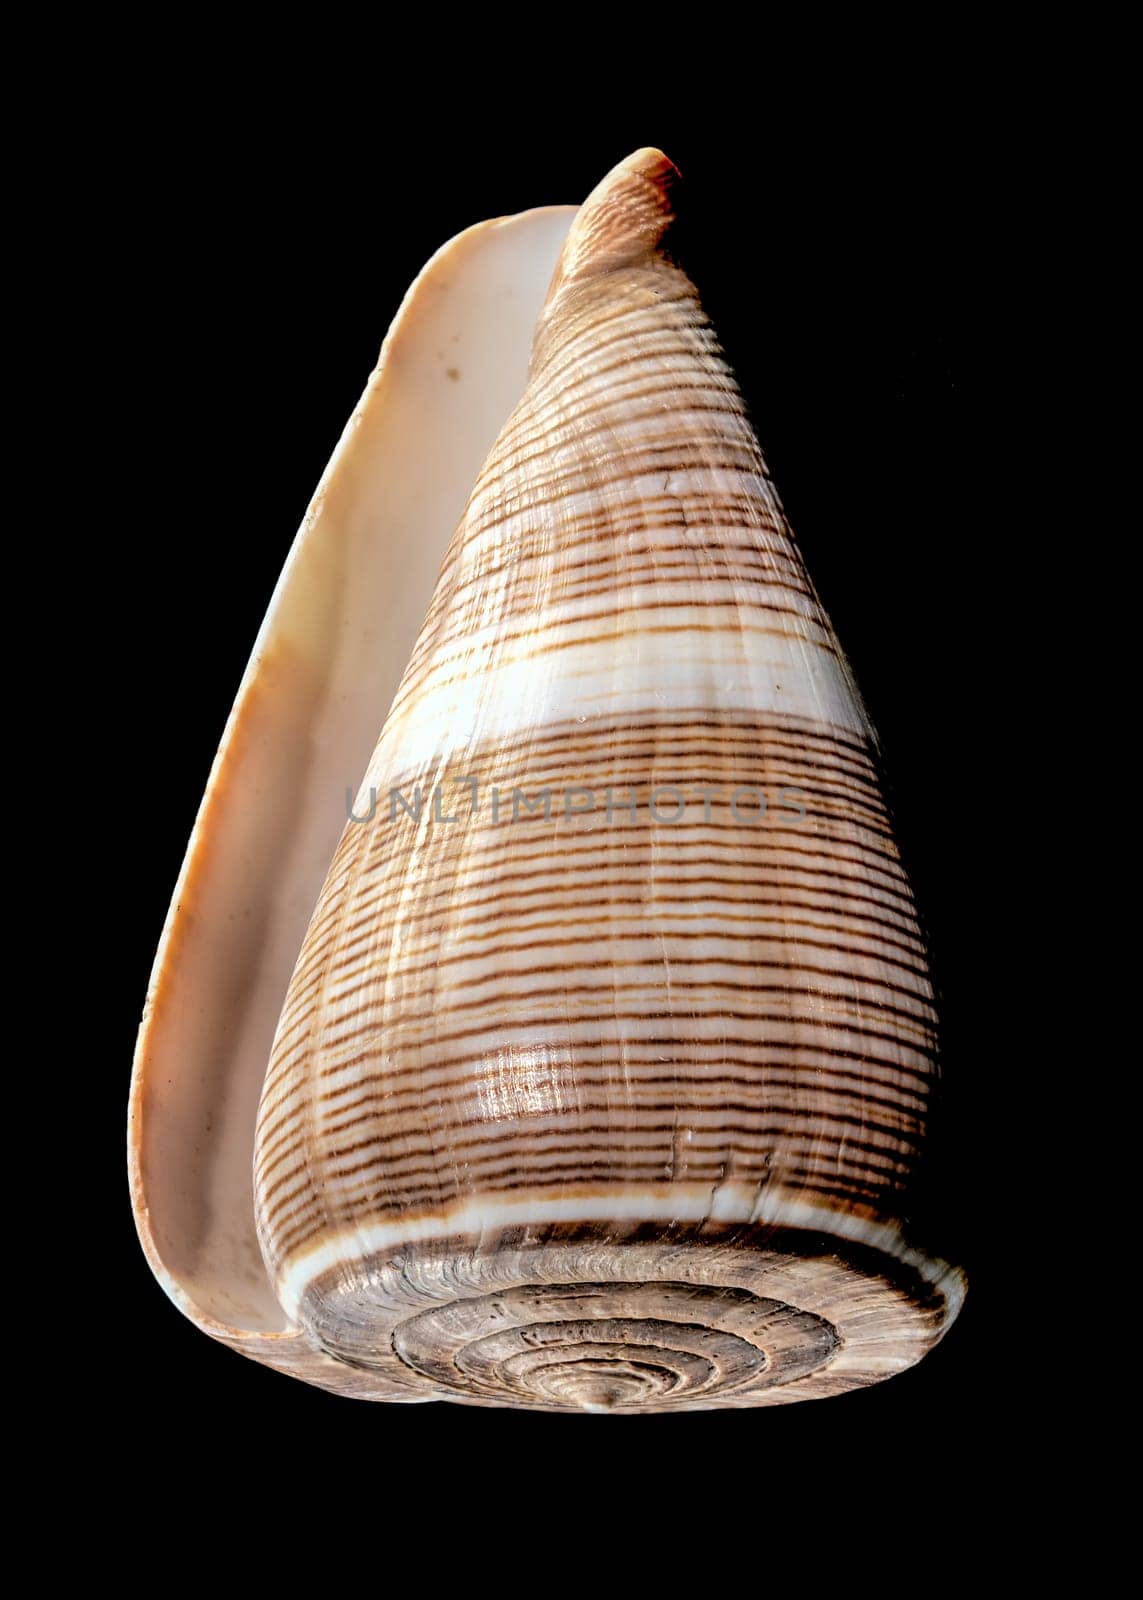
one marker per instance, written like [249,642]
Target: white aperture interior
[326,665]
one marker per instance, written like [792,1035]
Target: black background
[853,266]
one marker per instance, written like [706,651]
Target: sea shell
[601,1081]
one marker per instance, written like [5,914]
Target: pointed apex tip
[649,163]
[633,205]
[623,220]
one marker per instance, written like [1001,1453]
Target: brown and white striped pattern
[579,1041]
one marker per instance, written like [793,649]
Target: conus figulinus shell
[601,1079]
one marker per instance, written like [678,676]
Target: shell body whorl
[603,1075]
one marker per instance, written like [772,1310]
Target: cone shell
[601,1081]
